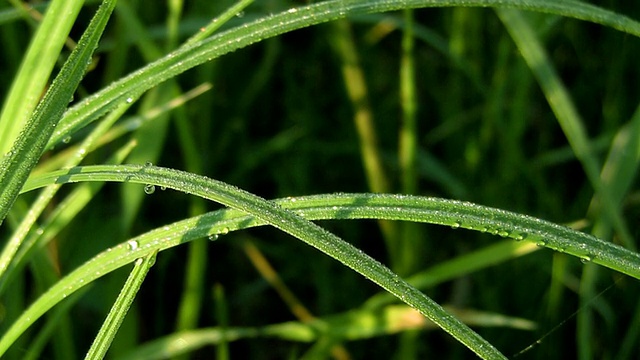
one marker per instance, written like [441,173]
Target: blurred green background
[279,121]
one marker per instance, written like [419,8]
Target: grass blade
[565,111]
[199,52]
[392,207]
[457,214]
[16,166]
[119,309]
[36,68]
[272,214]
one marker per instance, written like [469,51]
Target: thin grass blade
[36,68]
[199,52]
[18,163]
[120,308]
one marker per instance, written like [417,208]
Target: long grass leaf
[36,68]
[120,308]
[565,111]
[271,214]
[439,211]
[199,52]
[457,214]
[352,325]
[22,158]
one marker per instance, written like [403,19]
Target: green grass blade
[36,68]
[39,342]
[392,207]
[456,214]
[351,325]
[17,241]
[453,213]
[219,21]
[199,52]
[16,166]
[271,214]
[461,265]
[619,171]
[565,111]
[59,218]
[120,308]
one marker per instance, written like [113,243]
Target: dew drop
[541,243]
[519,237]
[213,237]
[163,188]
[586,259]
[503,233]
[149,189]
[240,14]
[66,140]
[455,225]
[132,245]
[224,231]
[129,100]
[148,163]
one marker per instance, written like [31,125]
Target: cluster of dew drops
[519,236]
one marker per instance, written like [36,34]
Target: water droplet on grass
[213,237]
[585,259]
[149,189]
[129,100]
[163,188]
[240,14]
[455,225]
[541,243]
[224,231]
[148,163]
[66,140]
[132,245]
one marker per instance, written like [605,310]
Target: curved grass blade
[17,241]
[38,343]
[269,213]
[457,214]
[337,206]
[17,250]
[18,163]
[120,308]
[196,53]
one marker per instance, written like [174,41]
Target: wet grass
[527,112]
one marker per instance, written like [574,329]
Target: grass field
[523,114]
